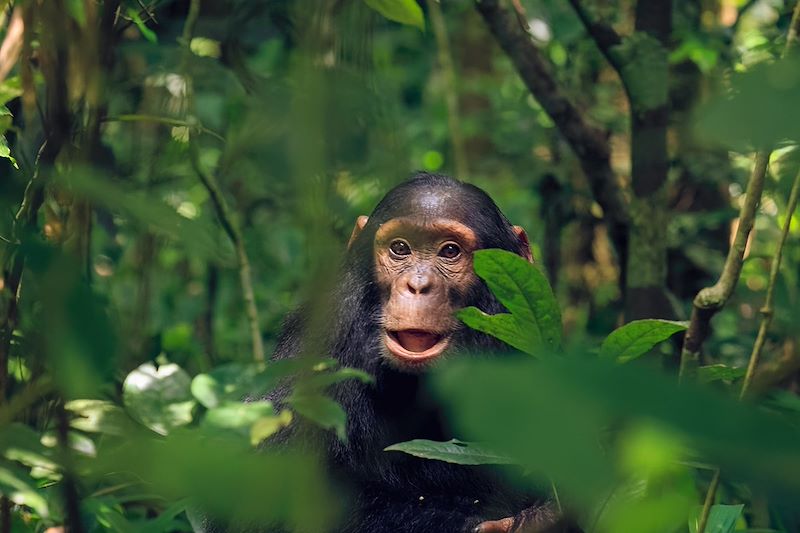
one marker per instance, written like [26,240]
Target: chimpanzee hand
[537,519]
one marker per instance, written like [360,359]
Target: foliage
[156,155]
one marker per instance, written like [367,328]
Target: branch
[588,142]
[12,44]
[221,206]
[604,36]
[245,274]
[696,325]
[189,124]
[711,299]
[768,309]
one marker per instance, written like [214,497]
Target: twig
[224,213]
[245,275]
[588,142]
[755,356]
[767,310]
[699,325]
[450,87]
[711,299]
[190,124]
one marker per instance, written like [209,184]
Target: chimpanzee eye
[450,251]
[399,247]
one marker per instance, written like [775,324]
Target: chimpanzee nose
[420,283]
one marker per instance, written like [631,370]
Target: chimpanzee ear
[359,225]
[524,244]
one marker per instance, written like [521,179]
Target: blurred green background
[178,175]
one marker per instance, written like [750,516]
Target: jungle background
[178,175]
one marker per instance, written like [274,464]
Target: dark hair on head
[460,201]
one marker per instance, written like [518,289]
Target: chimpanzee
[407,269]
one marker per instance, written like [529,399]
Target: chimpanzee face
[424,270]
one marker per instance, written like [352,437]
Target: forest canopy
[178,176]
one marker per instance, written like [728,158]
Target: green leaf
[19,442]
[503,326]
[18,487]
[10,89]
[534,320]
[160,398]
[707,374]
[205,47]
[5,151]
[721,519]
[636,338]
[402,11]
[452,451]
[98,416]
[263,428]
[321,410]
[238,417]
[755,108]
[321,380]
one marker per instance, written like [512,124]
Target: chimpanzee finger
[504,525]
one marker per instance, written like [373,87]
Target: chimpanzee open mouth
[416,345]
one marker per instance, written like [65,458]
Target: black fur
[391,491]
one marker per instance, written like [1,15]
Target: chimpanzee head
[415,252]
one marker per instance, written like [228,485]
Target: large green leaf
[402,11]
[452,451]
[721,519]
[756,108]
[534,320]
[160,398]
[637,338]
[320,410]
[552,414]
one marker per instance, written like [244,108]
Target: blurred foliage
[125,338]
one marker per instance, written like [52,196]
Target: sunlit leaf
[265,427]
[205,47]
[402,11]
[637,338]
[160,398]
[98,416]
[452,451]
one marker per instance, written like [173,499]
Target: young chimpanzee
[407,270]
